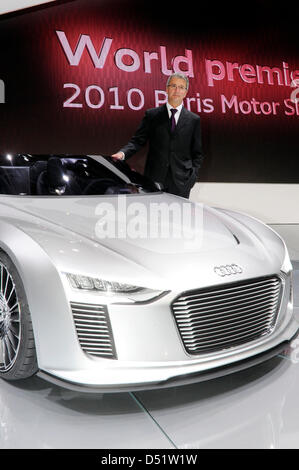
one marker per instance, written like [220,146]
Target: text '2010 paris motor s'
[108,283]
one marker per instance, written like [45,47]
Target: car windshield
[59,175]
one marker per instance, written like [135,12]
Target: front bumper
[119,376]
[182,379]
[150,353]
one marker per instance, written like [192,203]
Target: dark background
[237,148]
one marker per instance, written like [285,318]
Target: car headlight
[116,291]
[286,266]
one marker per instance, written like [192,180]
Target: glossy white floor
[256,408]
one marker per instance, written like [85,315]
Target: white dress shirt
[177,115]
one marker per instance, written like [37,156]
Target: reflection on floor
[255,408]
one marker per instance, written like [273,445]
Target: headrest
[55,172]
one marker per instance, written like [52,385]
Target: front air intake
[226,316]
[93,329]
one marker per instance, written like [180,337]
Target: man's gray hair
[179,75]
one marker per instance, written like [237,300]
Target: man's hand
[118,156]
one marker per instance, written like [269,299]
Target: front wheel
[17,347]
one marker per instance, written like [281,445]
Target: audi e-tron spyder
[108,283]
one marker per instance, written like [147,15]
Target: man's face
[176,91]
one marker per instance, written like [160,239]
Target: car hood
[155,234]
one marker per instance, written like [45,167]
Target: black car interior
[67,175]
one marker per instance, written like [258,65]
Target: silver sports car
[109,284]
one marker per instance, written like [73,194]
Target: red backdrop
[78,77]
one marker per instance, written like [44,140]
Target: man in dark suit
[174,137]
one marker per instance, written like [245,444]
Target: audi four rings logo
[228,269]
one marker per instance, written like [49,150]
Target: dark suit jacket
[173,159]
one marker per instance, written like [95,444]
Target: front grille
[93,329]
[227,316]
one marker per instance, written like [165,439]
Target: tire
[17,347]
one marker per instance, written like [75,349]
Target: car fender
[45,294]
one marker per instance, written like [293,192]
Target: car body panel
[49,236]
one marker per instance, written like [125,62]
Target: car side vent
[94,329]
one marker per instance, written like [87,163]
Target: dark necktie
[173,123]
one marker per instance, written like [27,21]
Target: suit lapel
[164,119]
[183,119]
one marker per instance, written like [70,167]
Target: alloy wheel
[10,320]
